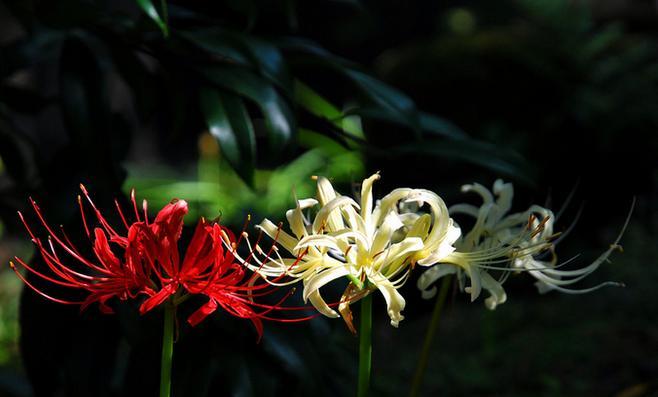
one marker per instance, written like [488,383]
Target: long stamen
[82,215]
[123,218]
[132,199]
[38,291]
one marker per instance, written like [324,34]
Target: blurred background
[234,105]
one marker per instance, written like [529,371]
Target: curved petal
[296,217]
[320,305]
[326,217]
[494,288]
[169,220]
[476,282]
[397,251]
[384,232]
[431,275]
[327,194]
[366,197]
[317,240]
[284,239]
[316,281]
[486,195]
[201,313]
[394,301]
[445,248]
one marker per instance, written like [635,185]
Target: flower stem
[421,366]
[365,346]
[167,349]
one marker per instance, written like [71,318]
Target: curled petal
[287,241]
[445,248]
[366,196]
[326,217]
[496,291]
[318,280]
[476,281]
[427,280]
[320,304]
[326,194]
[201,313]
[158,298]
[394,301]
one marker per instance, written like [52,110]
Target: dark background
[555,96]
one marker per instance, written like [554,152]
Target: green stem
[429,338]
[365,346]
[167,349]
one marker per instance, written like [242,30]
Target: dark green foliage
[432,94]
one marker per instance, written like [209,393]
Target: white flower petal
[467,209]
[384,233]
[395,302]
[327,194]
[494,288]
[487,197]
[366,197]
[445,248]
[317,240]
[316,281]
[430,276]
[329,218]
[282,238]
[321,305]
[397,252]
[476,282]
[296,217]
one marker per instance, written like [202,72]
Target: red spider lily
[151,265]
[105,276]
[209,268]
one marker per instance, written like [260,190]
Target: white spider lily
[371,244]
[507,242]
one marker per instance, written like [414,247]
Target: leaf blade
[228,121]
[150,10]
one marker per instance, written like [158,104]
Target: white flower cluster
[377,244]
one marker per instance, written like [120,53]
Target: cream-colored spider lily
[369,243]
[507,243]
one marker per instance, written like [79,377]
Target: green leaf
[430,123]
[245,50]
[229,122]
[390,99]
[483,154]
[440,126]
[310,100]
[269,60]
[149,9]
[213,42]
[279,119]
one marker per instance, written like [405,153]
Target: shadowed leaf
[229,122]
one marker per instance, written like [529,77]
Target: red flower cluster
[151,264]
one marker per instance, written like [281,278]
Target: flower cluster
[376,245]
[373,244]
[505,242]
[366,242]
[150,263]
